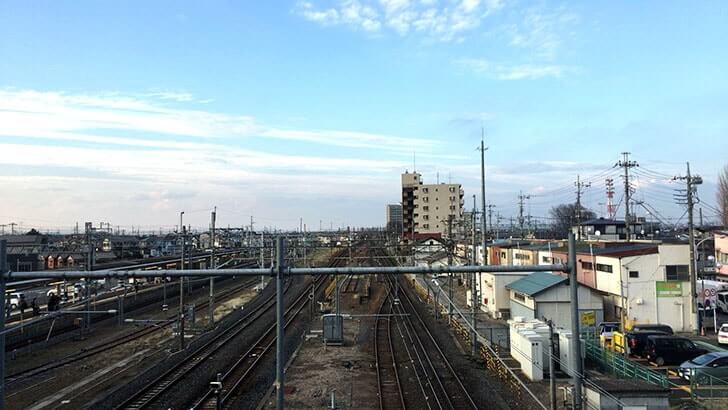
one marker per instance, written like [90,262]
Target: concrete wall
[637,297]
[493,288]
[721,253]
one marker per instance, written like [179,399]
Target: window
[519,296]
[634,274]
[503,255]
[425,208]
[677,272]
[604,268]
[587,265]
[723,258]
[424,190]
[547,259]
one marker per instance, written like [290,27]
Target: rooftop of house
[536,283]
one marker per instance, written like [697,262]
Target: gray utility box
[333,329]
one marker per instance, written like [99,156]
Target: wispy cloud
[502,71]
[78,117]
[445,22]
[541,31]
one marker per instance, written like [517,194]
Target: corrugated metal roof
[536,283]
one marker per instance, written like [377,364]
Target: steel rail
[115,342]
[392,359]
[266,342]
[442,355]
[161,384]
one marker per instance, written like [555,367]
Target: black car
[664,350]
[637,340]
[652,328]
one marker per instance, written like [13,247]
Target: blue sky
[129,112]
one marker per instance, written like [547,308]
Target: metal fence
[620,366]
[705,386]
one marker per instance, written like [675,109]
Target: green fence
[616,363]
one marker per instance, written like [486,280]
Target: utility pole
[280,327]
[182,287]
[3,269]
[473,291]
[521,199]
[450,245]
[89,268]
[577,367]
[490,217]
[627,164]
[211,303]
[483,221]
[579,186]
[552,365]
[691,189]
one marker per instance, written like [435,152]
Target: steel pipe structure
[280,271]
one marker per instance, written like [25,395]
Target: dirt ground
[347,371]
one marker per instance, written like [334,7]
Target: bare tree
[722,196]
[564,217]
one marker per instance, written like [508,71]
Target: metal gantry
[279,272]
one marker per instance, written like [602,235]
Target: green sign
[668,289]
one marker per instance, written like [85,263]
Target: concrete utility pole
[552,366]
[483,221]
[182,287]
[3,269]
[89,268]
[490,218]
[578,368]
[579,186]
[521,199]
[450,246]
[691,189]
[211,303]
[627,164]
[280,359]
[473,292]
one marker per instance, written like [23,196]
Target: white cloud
[542,31]
[350,12]
[446,22]
[28,113]
[501,71]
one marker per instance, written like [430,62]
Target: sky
[130,112]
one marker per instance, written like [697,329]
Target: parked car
[702,368]
[15,299]
[637,341]
[663,350]
[653,328]
[723,334]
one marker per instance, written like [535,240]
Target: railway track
[437,379]
[242,369]
[118,341]
[388,383]
[352,284]
[146,396]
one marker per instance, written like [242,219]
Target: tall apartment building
[394,217]
[426,208]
